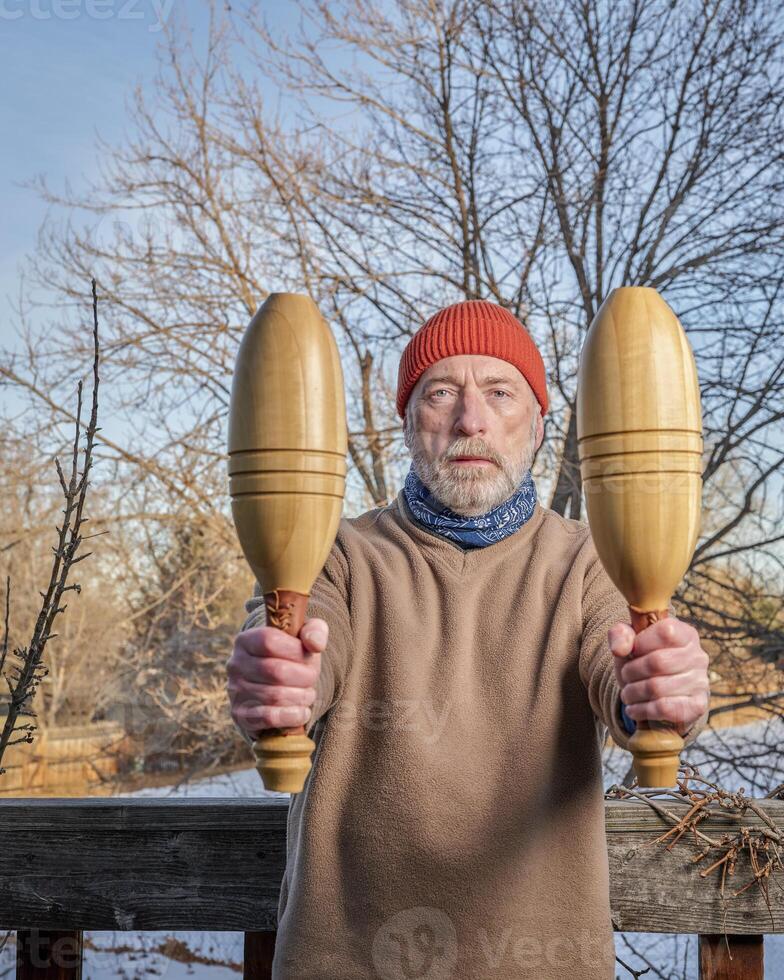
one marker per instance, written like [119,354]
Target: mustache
[480,450]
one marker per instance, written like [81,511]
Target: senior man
[464,654]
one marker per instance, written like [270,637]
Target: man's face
[473,426]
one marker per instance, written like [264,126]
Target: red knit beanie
[472,327]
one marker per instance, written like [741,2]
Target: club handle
[655,745]
[283,754]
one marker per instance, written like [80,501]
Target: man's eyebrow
[494,380]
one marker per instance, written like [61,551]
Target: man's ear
[539,428]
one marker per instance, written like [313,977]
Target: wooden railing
[67,865]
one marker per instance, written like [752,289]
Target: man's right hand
[272,676]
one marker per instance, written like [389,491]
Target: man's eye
[500,391]
[436,391]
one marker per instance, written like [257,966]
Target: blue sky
[63,80]
[67,68]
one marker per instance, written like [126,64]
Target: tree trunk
[569,488]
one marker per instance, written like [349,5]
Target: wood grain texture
[655,890]
[287,443]
[287,475]
[217,864]
[639,438]
[259,953]
[48,955]
[732,958]
[141,864]
[639,429]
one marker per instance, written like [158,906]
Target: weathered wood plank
[217,864]
[142,864]
[53,955]
[258,955]
[732,958]
[656,890]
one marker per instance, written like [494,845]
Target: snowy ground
[218,956]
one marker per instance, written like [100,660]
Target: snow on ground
[242,783]
[218,956]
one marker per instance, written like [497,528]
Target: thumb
[314,635]
[621,640]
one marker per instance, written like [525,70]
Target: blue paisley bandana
[470,532]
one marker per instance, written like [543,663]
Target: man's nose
[471,415]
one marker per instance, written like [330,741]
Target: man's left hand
[666,677]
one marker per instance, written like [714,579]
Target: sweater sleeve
[603,607]
[329,600]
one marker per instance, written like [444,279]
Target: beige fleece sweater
[452,825]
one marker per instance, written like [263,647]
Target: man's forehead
[483,368]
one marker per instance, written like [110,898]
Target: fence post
[259,950]
[48,954]
[732,957]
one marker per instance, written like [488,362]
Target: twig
[635,973]
[763,846]
[5,633]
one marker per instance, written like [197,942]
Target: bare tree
[25,671]
[535,154]
[176,642]
[656,128]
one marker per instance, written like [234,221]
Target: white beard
[471,490]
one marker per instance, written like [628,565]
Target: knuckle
[274,670]
[248,639]
[264,641]
[698,682]
[270,696]
[285,715]
[267,640]
[266,716]
[243,718]
[275,696]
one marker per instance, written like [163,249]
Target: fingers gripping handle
[656,746]
[283,754]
